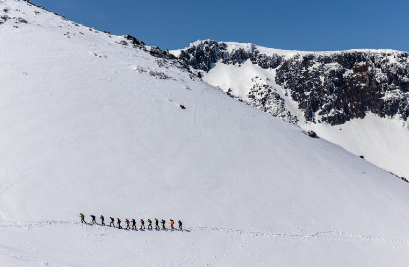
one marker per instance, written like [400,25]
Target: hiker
[93,219]
[180,225]
[142,224]
[119,224]
[133,224]
[171,224]
[163,224]
[127,224]
[82,218]
[157,224]
[102,220]
[149,224]
[112,223]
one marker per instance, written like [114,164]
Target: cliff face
[203,54]
[329,87]
[342,86]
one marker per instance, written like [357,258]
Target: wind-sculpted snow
[91,125]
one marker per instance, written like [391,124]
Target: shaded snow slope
[90,125]
[380,140]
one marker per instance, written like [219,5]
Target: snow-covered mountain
[102,124]
[358,99]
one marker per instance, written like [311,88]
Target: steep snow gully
[92,122]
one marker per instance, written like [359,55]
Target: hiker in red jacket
[127,224]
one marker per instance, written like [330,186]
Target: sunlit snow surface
[87,125]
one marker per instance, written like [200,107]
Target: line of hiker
[133,227]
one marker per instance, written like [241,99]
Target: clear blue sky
[286,24]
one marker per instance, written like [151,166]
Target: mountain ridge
[270,50]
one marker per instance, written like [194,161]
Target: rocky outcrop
[266,98]
[337,87]
[203,54]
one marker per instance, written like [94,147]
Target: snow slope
[382,141]
[238,79]
[89,125]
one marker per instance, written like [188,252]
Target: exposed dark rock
[157,52]
[402,178]
[203,54]
[4,17]
[123,42]
[133,40]
[21,20]
[158,74]
[342,86]
[312,134]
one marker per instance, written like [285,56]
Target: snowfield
[90,125]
